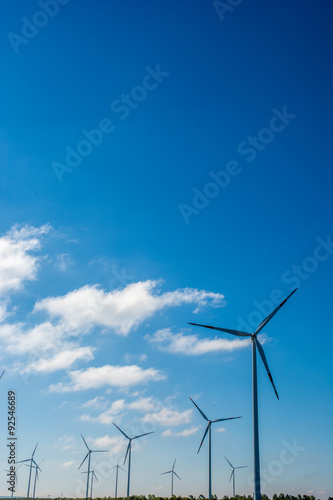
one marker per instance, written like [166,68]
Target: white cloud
[3,310]
[107,416]
[16,262]
[108,375]
[178,343]
[221,429]
[116,443]
[184,433]
[61,361]
[66,442]
[168,417]
[67,464]
[98,403]
[121,310]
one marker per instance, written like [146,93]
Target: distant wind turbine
[93,475]
[173,473]
[208,429]
[233,475]
[128,452]
[15,475]
[88,455]
[36,467]
[117,467]
[255,345]
[32,461]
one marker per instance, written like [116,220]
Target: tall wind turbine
[117,467]
[255,345]
[128,452]
[36,467]
[233,475]
[88,455]
[173,473]
[32,461]
[208,429]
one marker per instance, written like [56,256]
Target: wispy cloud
[121,310]
[61,361]
[179,343]
[185,433]
[168,417]
[67,464]
[108,375]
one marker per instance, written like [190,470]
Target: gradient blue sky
[103,265]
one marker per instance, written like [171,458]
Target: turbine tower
[88,455]
[117,467]
[208,429]
[255,345]
[128,452]
[233,475]
[32,461]
[173,473]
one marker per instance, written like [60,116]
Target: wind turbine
[88,455]
[233,475]
[16,477]
[128,452]
[31,460]
[117,467]
[173,473]
[36,467]
[93,475]
[255,345]
[208,429]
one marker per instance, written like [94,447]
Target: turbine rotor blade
[84,459]
[241,467]
[21,461]
[128,447]
[99,451]
[168,472]
[176,475]
[222,419]
[238,333]
[270,316]
[119,429]
[95,476]
[202,413]
[264,360]
[233,471]
[229,463]
[34,451]
[205,434]
[174,464]
[85,443]
[145,434]
[2,373]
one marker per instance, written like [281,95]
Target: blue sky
[162,163]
